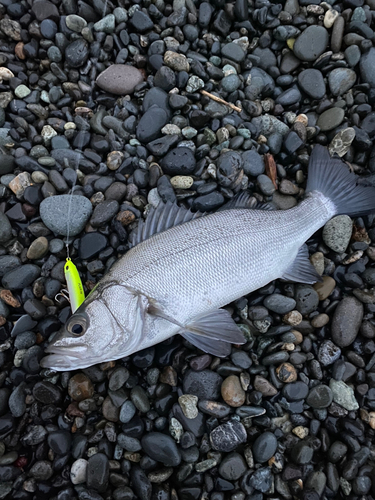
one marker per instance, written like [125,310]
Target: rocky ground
[105,99]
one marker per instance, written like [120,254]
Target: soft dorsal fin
[244,199]
[161,218]
[302,270]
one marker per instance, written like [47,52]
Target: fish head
[105,327]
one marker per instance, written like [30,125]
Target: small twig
[221,101]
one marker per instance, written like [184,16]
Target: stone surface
[63,213]
[337,233]
[311,43]
[346,321]
[119,79]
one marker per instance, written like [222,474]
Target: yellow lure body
[74,284]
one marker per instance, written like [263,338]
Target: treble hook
[64,293]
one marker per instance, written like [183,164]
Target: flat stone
[342,141]
[337,233]
[119,79]
[341,80]
[279,304]
[161,448]
[319,397]
[21,277]
[226,437]
[5,228]
[264,447]
[343,395]
[330,119]
[346,321]
[204,384]
[311,43]
[233,51]
[367,67]
[232,392]
[59,218]
[312,83]
[151,123]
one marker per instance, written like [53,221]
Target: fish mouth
[66,350]
[58,362]
[65,358]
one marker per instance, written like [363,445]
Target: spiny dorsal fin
[302,270]
[161,218]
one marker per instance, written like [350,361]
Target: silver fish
[185,267]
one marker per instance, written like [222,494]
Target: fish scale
[212,260]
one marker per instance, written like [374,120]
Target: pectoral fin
[302,270]
[213,333]
[216,347]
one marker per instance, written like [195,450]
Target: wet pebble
[264,447]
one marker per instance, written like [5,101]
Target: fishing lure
[74,284]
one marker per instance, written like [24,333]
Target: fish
[183,269]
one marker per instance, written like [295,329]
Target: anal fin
[213,332]
[302,270]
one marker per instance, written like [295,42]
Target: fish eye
[77,326]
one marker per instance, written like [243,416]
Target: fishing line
[73,280]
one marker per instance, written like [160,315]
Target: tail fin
[333,179]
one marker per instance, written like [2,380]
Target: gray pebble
[54,212]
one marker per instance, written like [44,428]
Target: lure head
[98,331]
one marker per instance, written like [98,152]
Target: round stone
[38,248]
[312,83]
[232,467]
[330,119]
[264,447]
[119,79]
[232,391]
[179,161]
[311,43]
[319,397]
[279,304]
[78,471]
[80,387]
[286,373]
[341,80]
[75,23]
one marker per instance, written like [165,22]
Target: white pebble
[182,181]
[78,471]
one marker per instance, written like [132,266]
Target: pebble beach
[108,108]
